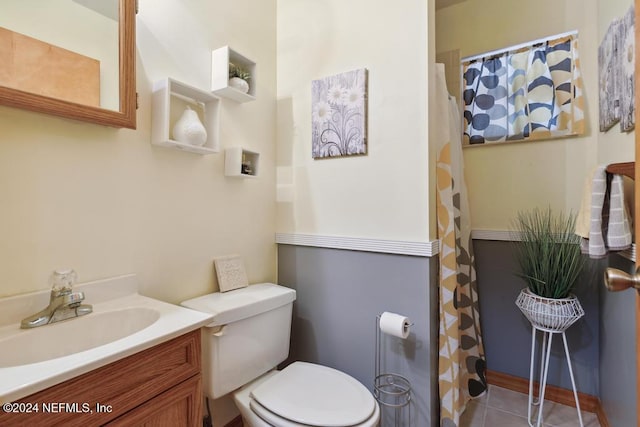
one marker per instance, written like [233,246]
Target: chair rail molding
[399,247]
[501,235]
[511,236]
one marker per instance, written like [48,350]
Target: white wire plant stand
[549,316]
[392,391]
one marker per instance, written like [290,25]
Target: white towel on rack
[583,221]
[603,221]
[619,230]
[596,247]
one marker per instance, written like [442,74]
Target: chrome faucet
[63,303]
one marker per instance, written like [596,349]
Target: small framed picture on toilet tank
[230,272]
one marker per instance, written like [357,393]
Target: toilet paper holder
[391,390]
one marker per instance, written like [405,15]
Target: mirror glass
[72,58]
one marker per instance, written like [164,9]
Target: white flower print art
[626,72]
[339,115]
[616,69]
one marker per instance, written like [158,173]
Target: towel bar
[627,169]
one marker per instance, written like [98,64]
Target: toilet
[247,338]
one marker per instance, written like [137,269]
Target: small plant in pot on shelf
[238,77]
[548,253]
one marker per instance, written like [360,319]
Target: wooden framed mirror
[125,115]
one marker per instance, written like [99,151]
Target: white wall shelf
[220,59]
[241,163]
[170,98]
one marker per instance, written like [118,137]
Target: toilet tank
[249,334]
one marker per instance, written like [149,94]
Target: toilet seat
[305,394]
[273,420]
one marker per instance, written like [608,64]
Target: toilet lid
[316,396]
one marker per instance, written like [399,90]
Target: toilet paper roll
[395,324]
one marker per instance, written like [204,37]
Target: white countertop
[106,295]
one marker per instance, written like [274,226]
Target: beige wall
[106,202]
[507,178]
[382,195]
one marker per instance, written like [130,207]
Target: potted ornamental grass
[550,260]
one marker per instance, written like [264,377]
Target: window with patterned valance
[532,92]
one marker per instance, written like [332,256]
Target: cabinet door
[122,385]
[180,406]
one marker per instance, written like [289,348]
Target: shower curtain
[461,363]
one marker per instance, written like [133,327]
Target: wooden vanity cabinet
[177,407]
[160,386]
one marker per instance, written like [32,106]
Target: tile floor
[500,407]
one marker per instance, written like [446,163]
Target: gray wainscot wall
[618,351]
[602,343]
[339,295]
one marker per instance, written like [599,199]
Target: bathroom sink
[122,323]
[73,335]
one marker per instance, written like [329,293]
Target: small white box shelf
[220,59]
[241,163]
[170,98]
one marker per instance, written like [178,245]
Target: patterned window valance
[533,92]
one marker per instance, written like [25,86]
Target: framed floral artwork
[339,116]
[607,71]
[616,70]
[626,69]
